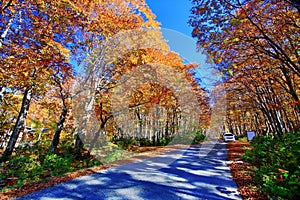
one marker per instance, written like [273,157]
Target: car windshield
[228,134]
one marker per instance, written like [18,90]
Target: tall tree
[259,37]
[39,37]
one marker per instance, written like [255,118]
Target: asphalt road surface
[197,172]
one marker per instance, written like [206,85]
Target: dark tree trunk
[96,136]
[59,128]
[18,126]
[78,143]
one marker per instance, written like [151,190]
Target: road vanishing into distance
[196,172]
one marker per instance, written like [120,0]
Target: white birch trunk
[19,124]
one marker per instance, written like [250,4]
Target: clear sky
[173,16]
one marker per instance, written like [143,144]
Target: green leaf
[20,182]
[234,66]
[236,40]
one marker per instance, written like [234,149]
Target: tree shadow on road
[180,174]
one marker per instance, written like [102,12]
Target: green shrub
[57,165]
[37,163]
[113,156]
[127,143]
[163,141]
[194,137]
[242,139]
[199,137]
[24,168]
[277,161]
[145,142]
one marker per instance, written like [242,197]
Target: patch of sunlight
[94,182]
[186,196]
[177,178]
[129,193]
[70,186]
[222,168]
[54,198]
[204,173]
[85,178]
[161,165]
[182,162]
[171,156]
[151,177]
[184,185]
[204,185]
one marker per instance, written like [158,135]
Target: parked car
[228,137]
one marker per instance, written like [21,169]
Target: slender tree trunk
[96,136]
[2,94]
[167,129]
[257,123]
[150,126]
[88,103]
[291,88]
[297,121]
[19,125]
[78,142]
[139,124]
[146,127]
[59,128]
[5,32]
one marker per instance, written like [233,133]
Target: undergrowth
[38,164]
[277,165]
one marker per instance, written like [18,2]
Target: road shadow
[192,173]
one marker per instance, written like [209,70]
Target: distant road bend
[197,172]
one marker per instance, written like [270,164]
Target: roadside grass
[37,165]
[276,161]
[268,167]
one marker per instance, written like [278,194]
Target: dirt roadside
[242,171]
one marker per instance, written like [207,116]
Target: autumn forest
[82,81]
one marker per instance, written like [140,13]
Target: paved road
[198,172]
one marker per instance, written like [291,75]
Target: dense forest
[83,80]
[92,73]
[255,46]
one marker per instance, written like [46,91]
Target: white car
[228,137]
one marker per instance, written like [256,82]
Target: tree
[98,66]
[257,37]
[64,94]
[39,37]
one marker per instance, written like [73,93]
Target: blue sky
[173,16]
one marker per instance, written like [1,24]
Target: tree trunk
[5,32]
[59,128]
[96,136]
[291,90]
[84,118]
[2,94]
[18,126]
[78,142]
